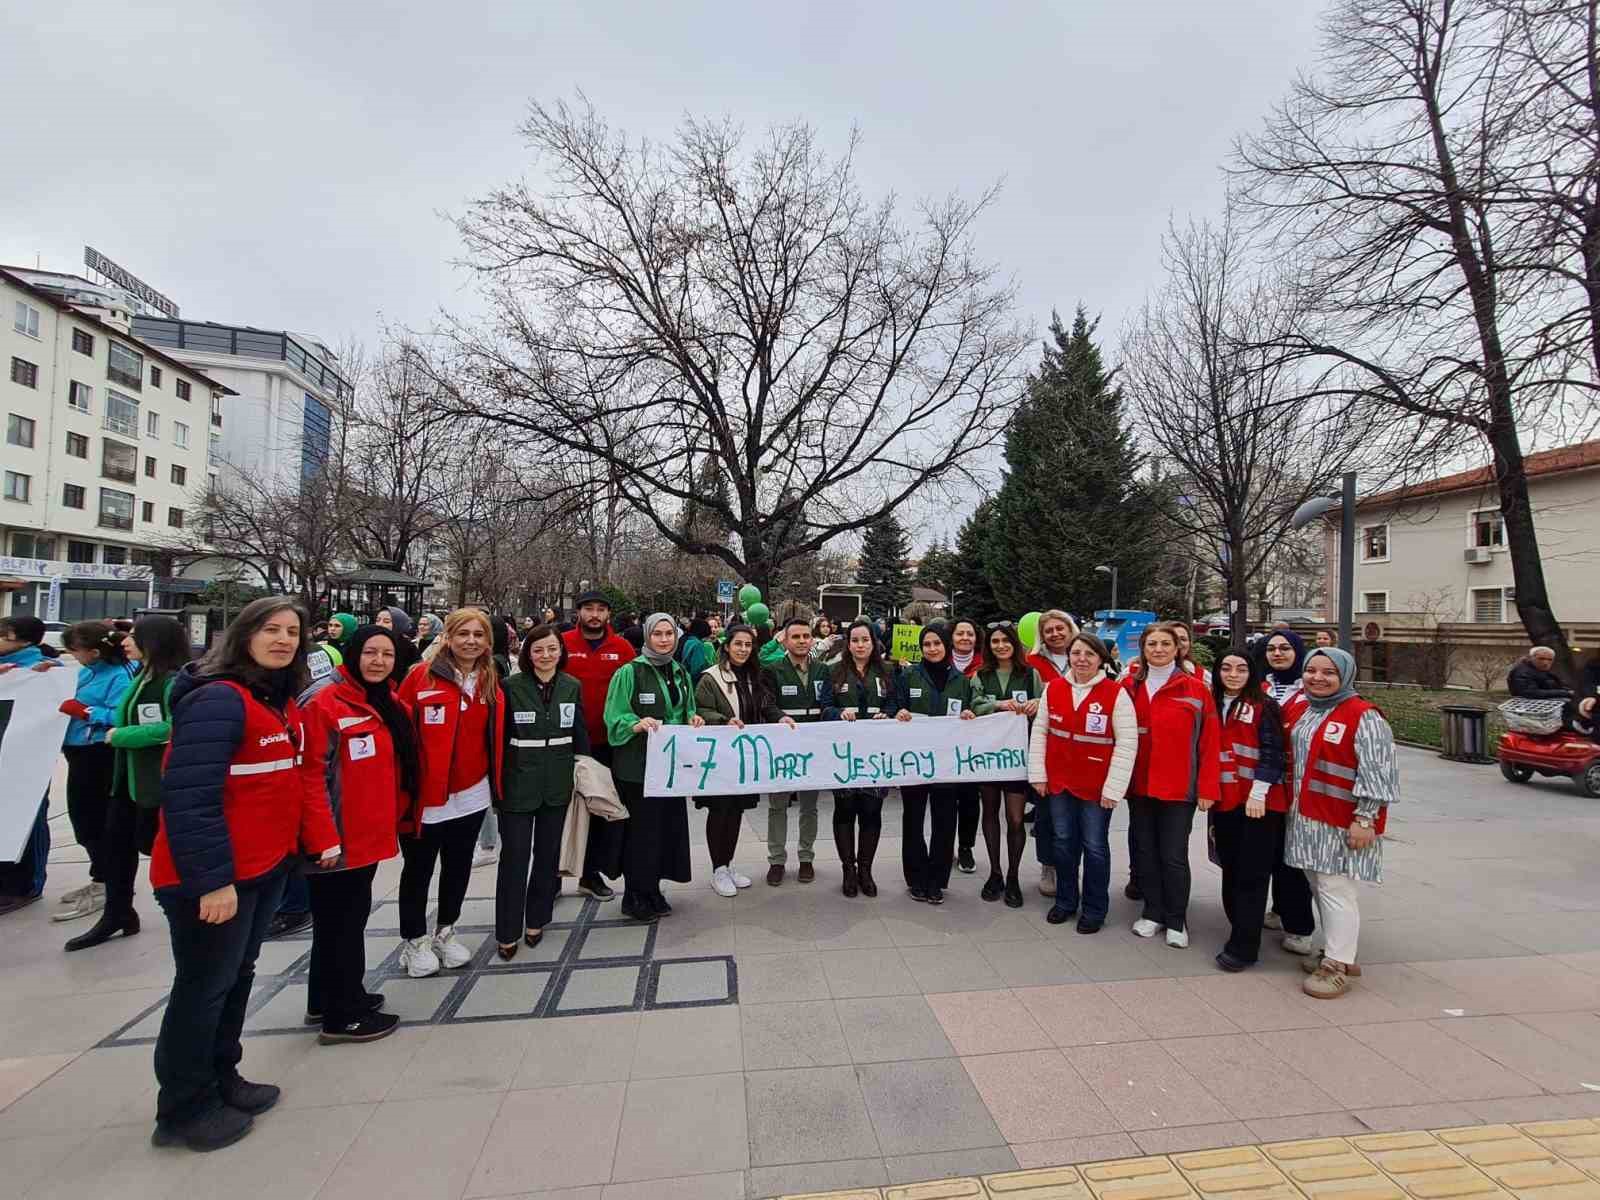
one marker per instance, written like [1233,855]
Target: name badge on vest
[525,718]
[568,712]
[149,714]
[952,708]
[362,747]
[1333,732]
[433,714]
[1095,723]
[319,664]
[916,693]
[790,689]
[1020,697]
[647,697]
[1247,713]
[820,685]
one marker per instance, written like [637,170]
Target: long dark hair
[1019,660]
[381,696]
[231,655]
[1252,685]
[96,635]
[537,634]
[30,630]
[751,672]
[845,669]
[163,646]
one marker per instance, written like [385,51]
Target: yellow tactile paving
[1537,1160]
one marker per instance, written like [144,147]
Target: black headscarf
[1292,673]
[381,696]
[938,672]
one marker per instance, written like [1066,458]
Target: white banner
[31,729]
[722,761]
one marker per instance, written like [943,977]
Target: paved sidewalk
[791,1040]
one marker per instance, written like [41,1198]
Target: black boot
[107,927]
[844,840]
[869,848]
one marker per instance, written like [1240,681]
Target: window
[1488,528]
[213,444]
[180,435]
[118,460]
[116,509]
[115,555]
[72,497]
[32,545]
[316,432]
[1375,543]
[1489,604]
[181,386]
[152,424]
[1374,602]
[122,414]
[80,396]
[27,320]
[175,517]
[80,552]
[125,366]
[24,372]
[155,377]
[147,512]
[82,342]
[77,445]
[180,475]
[216,410]
[18,486]
[19,430]
[149,467]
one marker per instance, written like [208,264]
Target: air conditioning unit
[1477,554]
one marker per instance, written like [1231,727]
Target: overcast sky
[291,165]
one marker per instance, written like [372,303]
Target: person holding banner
[1178,767]
[651,691]
[22,883]
[802,686]
[966,658]
[736,692]
[932,688]
[1005,683]
[863,690]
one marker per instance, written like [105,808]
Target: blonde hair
[488,676]
[1052,614]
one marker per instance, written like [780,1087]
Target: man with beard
[594,654]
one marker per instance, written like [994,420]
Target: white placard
[721,761]
[29,746]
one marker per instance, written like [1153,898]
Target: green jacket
[921,698]
[542,742]
[801,694]
[989,688]
[639,689]
[139,739]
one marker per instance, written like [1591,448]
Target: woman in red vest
[1081,754]
[234,814]
[1247,823]
[1343,779]
[1179,766]
[1049,661]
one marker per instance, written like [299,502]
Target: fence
[1413,712]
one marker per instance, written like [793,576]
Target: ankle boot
[107,927]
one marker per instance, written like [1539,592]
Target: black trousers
[927,861]
[1162,831]
[89,771]
[602,854]
[968,809]
[650,852]
[1246,847]
[130,831]
[451,844]
[1291,890]
[340,904]
[724,816]
[522,902]
[214,967]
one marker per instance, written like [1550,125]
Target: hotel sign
[128,281]
[44,570]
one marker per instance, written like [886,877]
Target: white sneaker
[1178,939]
[1047,881]
[1297,943]
[452,951]
[1272,921]
[739,881]
[90,901]
[483,857]
[418,958]
[722,882]
[1146,929]
[76,894]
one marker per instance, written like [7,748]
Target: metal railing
[244,342]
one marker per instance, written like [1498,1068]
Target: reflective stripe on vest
[262,768]
[802,712]
[1092,738]
[540,743]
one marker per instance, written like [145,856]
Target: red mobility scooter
[1536,744]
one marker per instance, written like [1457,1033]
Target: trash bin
[1465,733]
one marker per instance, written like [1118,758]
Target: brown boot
[774,874]
[1330,981]
[807,874]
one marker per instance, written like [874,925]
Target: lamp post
[1318,507]
[1105,569]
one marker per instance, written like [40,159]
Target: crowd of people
[269,779]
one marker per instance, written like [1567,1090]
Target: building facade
[105,453]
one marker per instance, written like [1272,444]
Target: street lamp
[1315,509]
[1105,569]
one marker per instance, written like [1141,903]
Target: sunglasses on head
[993,625]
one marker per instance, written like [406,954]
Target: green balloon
[758,614]
[749,594]
[1028,629]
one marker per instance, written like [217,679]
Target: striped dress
[1317,846]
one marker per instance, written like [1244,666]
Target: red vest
[593,670]
[1040,662]
[1077,752]
[350,766]
[1241,751]
[1180,752]
[264,802]
[443,730]
[1327,792]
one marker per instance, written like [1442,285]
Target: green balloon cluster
[749,594]
[1028,629]
[758,614]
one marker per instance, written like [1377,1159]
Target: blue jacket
[28,656]
[100,689]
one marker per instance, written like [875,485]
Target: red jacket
[1180,753]
[435,702]
[266,813]
[1040,662]
[1077,756]
[1241,751]
[350,767]
[1327,791]
[593,669]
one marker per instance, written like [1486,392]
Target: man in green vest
[801,685]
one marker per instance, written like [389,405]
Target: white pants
[1339,913]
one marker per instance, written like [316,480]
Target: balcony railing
[109,520]
[126,426]
[211,338]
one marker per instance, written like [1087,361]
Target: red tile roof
[1580,457]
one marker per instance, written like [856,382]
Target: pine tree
[1072,497]
[969,574]
[934,567]
[882,568]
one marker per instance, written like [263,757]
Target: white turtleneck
[1156,677]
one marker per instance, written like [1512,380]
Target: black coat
[1530,683]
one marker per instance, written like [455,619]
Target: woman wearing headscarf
[932,688]
[428,627]
[651,691]
[1283,655]
[398,621]
[1344,778]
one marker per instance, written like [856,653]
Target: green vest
[651,699]
[137,769]
[868,697]
[539,748]
[800,695]
[1019,684]
[923,699]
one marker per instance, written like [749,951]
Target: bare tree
[661,304]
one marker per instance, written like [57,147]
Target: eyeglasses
[993,625]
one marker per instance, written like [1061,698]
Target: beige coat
[593,794]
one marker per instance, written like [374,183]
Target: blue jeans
[1044,834]
[296,893]
[1082,830]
